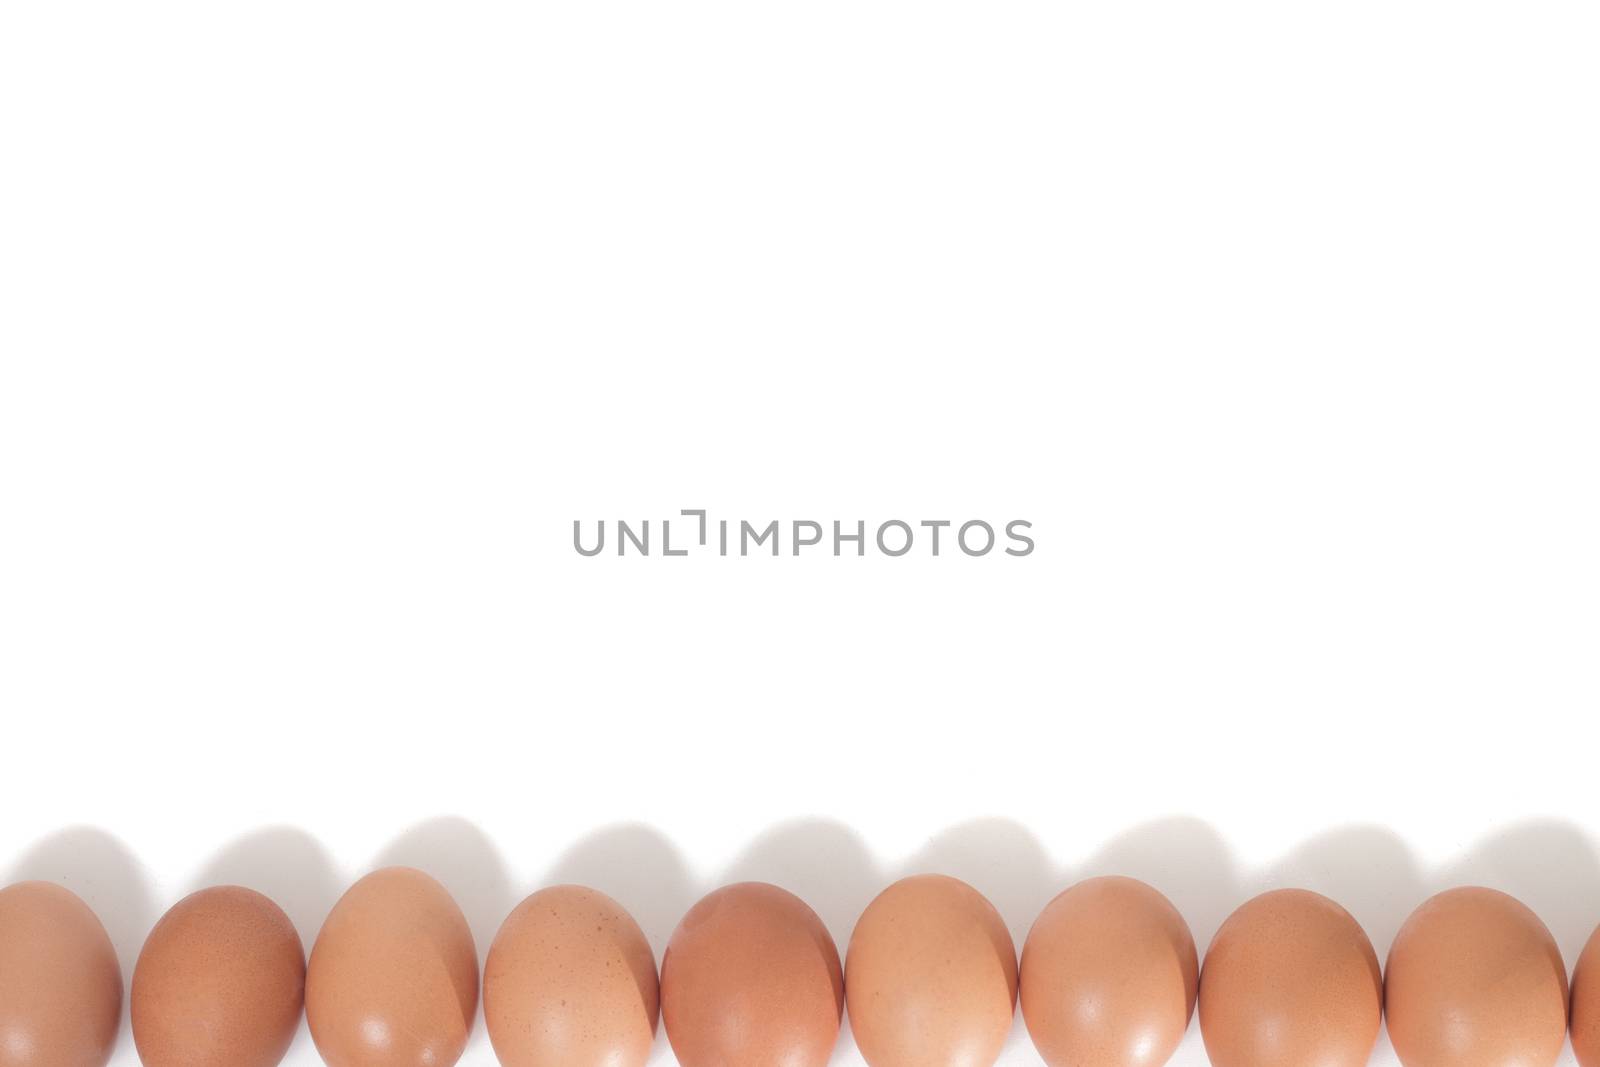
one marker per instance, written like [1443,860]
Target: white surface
[321,322]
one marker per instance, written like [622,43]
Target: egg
[393,977]
[1109,976]
[1476,980]
[1290,979]
[60,985]
[930,976]
[570,982]
[220,983]
[751,978]
[1586,1004]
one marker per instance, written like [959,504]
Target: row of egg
[1109,976]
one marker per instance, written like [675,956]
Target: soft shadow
[1186,860]
[466,863]
[1551,866]
[845,1051]
[1366,869]
[292,868]
[823,863]
[1001,860]
[285,864]
[102,871]
[637,867]
[1005,862]
[826,864]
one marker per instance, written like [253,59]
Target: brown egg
[60,986]
[220,983]
[931,976]
[570,982]
[751,979]
[1586,1004]
[393,978]
[1475,980]
[1290,980]
[1109,976]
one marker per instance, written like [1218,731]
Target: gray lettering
[1011,532]
[701,512]
[624,535]
[859,537]
[666,540]
[577,542]
[799,541]
[745,530]
[961,537]
[884,548]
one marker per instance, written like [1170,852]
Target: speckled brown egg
[60,986]
[220,983]
[570,982]
[393,977]
[1290,980]
[1109,976]
[751,978]
[1476,980]
[1586,1004]
[930,976]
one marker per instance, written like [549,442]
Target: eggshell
[1290,979]
[930,976]
[393,978]
[570,982]
[1586,1004]
[1476,980]
[220,983]
[751,978]
[60,986]
[1109,976]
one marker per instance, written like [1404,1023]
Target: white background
[321,322]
